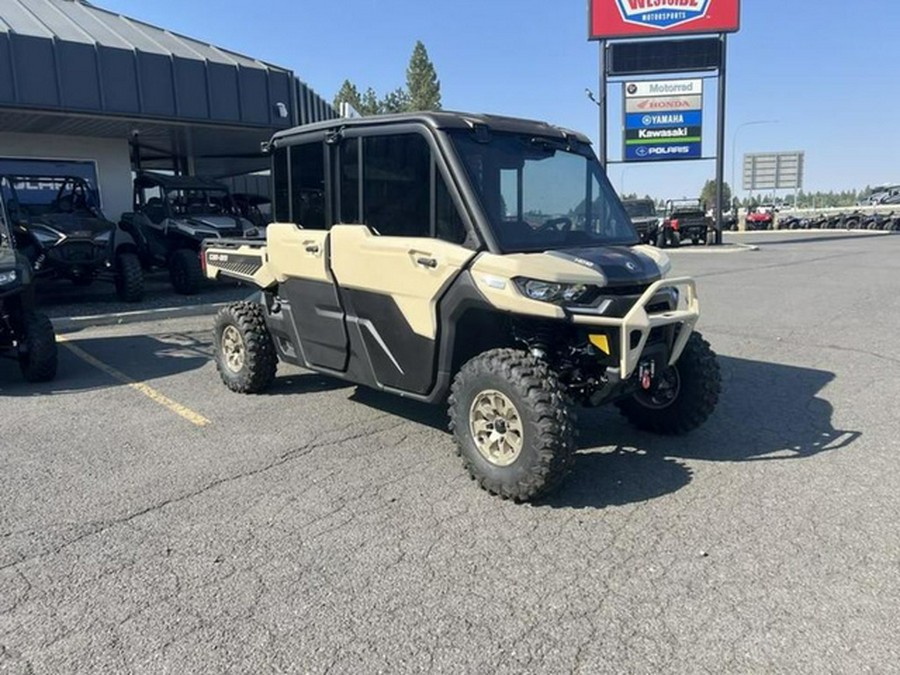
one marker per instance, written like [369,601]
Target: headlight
[8,277]
[103,237]
[548,291]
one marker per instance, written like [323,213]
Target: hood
[621,265]
[74,225]
[215,222]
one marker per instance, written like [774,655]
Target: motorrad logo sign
[652,18]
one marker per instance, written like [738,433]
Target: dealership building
[88,92]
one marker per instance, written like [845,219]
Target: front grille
[77,252]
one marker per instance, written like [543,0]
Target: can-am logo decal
[662,14]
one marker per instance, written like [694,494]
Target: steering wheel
[554,223]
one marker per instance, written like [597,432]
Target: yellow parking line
[145,389]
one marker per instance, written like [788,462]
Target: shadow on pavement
[767,412]
[140,358]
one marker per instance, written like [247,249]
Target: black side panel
[400,358]
[320,321]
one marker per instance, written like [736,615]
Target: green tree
[396,101]
[422,81]
[708,195]
[348,93]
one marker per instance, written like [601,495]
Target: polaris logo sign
[610,19]
[662,14]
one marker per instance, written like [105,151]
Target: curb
[735,247]
[71,324]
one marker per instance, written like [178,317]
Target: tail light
[203,261]
[674,224]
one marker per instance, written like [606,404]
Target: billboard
[661,18]
[663,120]
[773,171]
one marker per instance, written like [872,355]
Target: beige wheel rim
[496,427]
[233,349]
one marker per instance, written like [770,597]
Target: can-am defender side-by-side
[60,228]
[480,260]
[173,215]
[25,335]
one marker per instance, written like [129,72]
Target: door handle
[312,248]
[430,263]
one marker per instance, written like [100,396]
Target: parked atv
[684,219]
[25,335]
[644,218]
[64,234]
[761,218]
[423,263]
[172,216]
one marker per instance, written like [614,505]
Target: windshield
[199,202]
[540,195]
[639,209]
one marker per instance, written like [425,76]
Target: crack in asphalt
[317,442]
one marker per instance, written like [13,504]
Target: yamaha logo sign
[662,14]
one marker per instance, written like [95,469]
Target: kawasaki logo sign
[662,14]
[610,19]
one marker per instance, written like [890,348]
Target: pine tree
[396,101]
[422,81]
[347,94]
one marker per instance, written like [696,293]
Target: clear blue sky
[825,70]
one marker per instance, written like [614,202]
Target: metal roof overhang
[68,67]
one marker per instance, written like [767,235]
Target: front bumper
[633,330]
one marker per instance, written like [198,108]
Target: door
[299,258]
[299,253]
[397,251]
[391,287]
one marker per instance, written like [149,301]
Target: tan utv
[480,260]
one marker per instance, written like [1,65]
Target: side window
[281,191]
[397,185]
[447,223]
[154,207]
[308,185]
[350,181]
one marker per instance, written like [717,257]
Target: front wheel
[244,351]
[185,271]
[512,424]
[683,396]
[129,278]
[37,352]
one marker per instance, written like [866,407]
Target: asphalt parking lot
[152,521]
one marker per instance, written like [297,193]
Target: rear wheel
[244,351]
[37,351]
[185,271]
[129,278]
[512,424]
[683,397]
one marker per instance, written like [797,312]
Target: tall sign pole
[602,140]
[720,141]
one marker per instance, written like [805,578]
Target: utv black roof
[167,182]
[437,120]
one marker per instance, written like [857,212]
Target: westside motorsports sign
[663,120]
[657,18]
